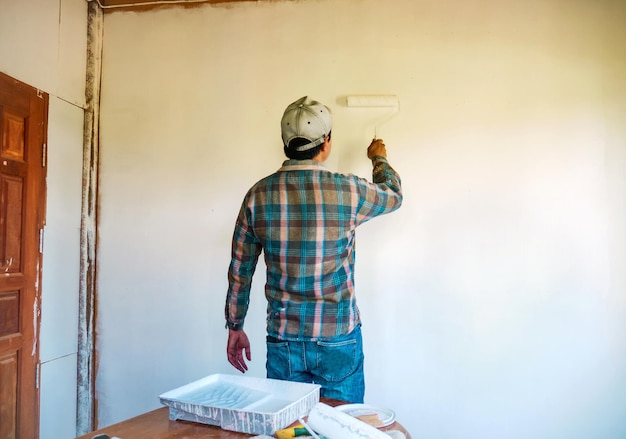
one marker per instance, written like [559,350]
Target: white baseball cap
[307,119]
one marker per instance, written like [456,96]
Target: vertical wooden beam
[86,416]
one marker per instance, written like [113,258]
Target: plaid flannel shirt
[304,218]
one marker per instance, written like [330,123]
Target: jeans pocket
[278,364]
[337,360]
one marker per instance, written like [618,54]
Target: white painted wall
[508,252]
[43,43]
[493,301]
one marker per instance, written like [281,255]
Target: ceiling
[109,5]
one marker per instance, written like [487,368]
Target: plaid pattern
[304,218]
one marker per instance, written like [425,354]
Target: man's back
[304,217]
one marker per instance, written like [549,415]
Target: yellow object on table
[296,430]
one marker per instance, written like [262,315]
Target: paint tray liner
[243,404]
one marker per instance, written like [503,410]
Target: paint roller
[375,101]
[331,423]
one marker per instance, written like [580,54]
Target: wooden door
[23,128]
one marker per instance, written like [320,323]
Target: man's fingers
[237,361]
[242,364]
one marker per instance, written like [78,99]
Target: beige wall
[493,301]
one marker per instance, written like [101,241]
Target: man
[304,219]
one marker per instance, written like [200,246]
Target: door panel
[11,206]
[23,118]
[8,395]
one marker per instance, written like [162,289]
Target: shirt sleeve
[246,249]
[382,196]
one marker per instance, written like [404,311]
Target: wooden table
[156,425]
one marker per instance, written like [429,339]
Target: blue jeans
[335,364]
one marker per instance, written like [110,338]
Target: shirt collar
[302,165]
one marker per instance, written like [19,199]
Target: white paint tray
[243,404]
